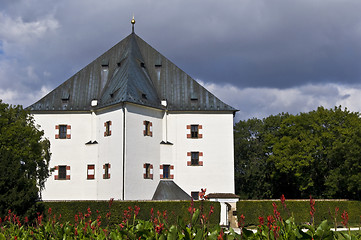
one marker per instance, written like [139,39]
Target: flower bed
[195,224]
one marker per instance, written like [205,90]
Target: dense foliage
[193,225]
[316,153]
[172,209]
[325,210]
[24,159]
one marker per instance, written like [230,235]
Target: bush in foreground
[195,225]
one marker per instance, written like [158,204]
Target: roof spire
[133,22]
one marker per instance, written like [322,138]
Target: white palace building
[131,125]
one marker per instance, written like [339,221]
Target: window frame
[90,176]
[166,171]
[147,171]
[194,130]
[146,128]
[106,174]
[62,172]
[62,133]
[194,158]
[108,131]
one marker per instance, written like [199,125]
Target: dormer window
[157,70]
[144,96]
[194,96]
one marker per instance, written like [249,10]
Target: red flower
[49,211]
[270,221]
[202,194]
[159,228]
[211,210]
[283,200]
[344,216]
[313,210]
[191,210]
[89,212]
[220,236]
[261,220]
[276,213]
[136,210]
[111,202]
[241,221]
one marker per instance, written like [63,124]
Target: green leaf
[195,217]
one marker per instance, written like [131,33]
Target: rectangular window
[166,171]
[147,128]
[91,171]
[106,168]
[148,171]
[62,131]
[195,195]
[194,131]
[62,172]
[107,126]
[195,158]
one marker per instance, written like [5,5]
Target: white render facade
[117,129]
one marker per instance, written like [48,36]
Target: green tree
[253,146]
[316,153]
[24,160]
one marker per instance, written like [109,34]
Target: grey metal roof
[131,71]
[169,190]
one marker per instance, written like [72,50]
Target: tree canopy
[24,160]
[316,153]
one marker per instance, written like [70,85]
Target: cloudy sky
[262,57]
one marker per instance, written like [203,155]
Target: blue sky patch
[1,47]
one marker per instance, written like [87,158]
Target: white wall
[142,149]
[72,152]
[110,151]
[217,172]
[75,153]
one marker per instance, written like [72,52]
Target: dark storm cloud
[248,44]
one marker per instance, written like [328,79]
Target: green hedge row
[300,210]
[68,209]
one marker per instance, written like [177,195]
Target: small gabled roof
[169,190]
[131,71]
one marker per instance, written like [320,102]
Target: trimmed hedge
[300,209]
[173,209]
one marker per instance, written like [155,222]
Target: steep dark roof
[169,190]
[131,71]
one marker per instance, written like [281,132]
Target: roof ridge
[131,71]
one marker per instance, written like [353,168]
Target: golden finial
[133,22]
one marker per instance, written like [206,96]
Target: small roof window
[65,96]
[105,63]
